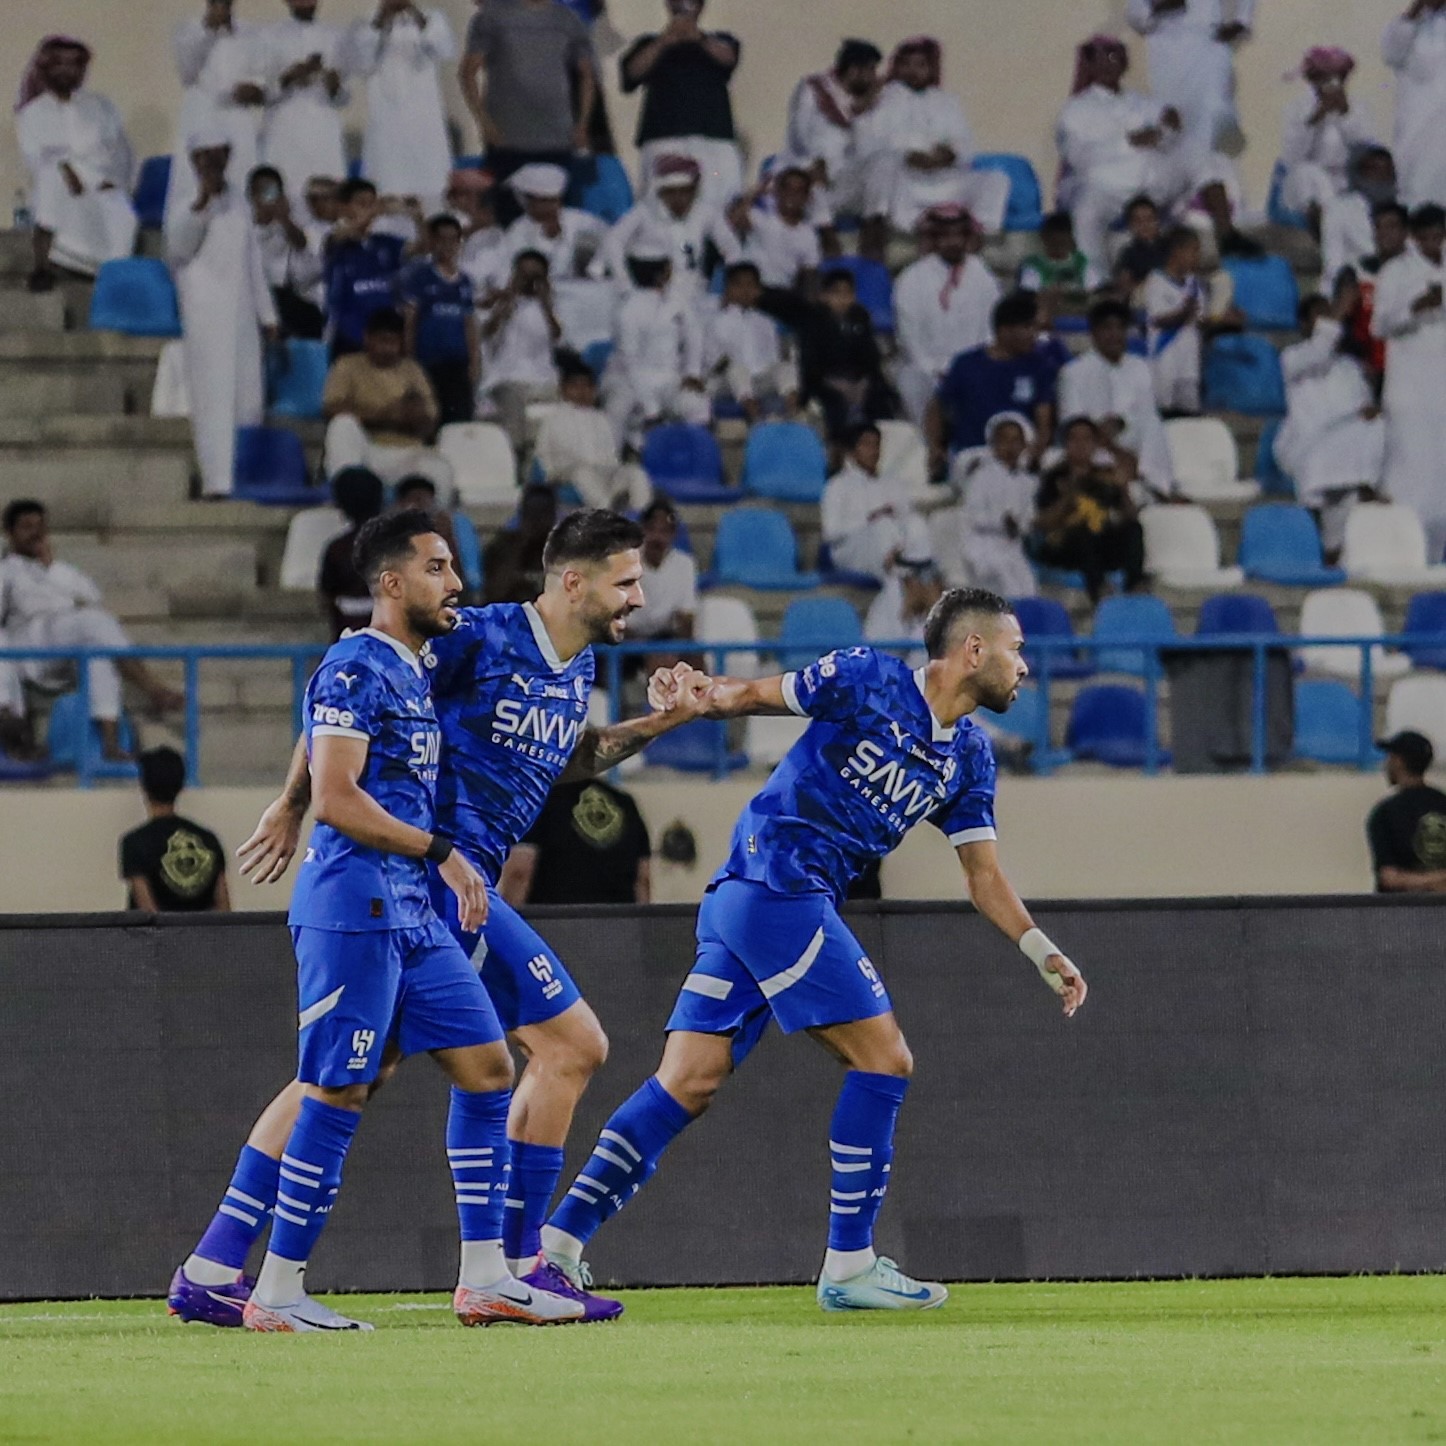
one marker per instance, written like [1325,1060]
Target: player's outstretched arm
[717,697]
[265,855]
[994,897]
[679,700]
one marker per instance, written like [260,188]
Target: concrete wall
[1011,63]
[1063,838]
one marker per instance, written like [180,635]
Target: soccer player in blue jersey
[889,747]
[510,685]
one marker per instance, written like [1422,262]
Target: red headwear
[1089,52]
[927,46]
[36,78]
[1328,60]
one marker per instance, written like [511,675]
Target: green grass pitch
[1270,1361]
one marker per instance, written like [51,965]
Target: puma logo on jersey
[347,678]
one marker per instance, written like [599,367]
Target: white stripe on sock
[244,1198]
[294,1219]
[613,1159]
[300,1179]
[453,1154]
[236,1214]
[300,1165]
[844,1209]
[474,1200]
[848,1194]
[617,1139]
[294,1203]
[582,1195]
[515,1204]
[592,1184]
[850,1149]
[844,1169]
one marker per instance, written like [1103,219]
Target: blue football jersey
[370,686]
[511,713]
[873,763]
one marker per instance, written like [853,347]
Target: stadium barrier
[302,658]
[1254,1087]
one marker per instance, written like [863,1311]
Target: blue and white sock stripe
[311,1179]
[240,1215]
[850,1159]
[617,1139]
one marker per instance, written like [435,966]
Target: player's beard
[606,626]
[434,622]
[998,696]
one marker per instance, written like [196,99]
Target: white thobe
[1189,68]
[867,519]
[405,149]
[212,63]
[1317,157]
[57,607]
[303,131]
[86,134]
[578,240]
[1174,353]
[814,136]
[1416,51]
[778,250]
[685,239]
[225,302]
[1325,444]
[939,311]
[484,260]
[1347,236]
[520,351]
[1415,392]
[907,120]
[578,445]
[1104,170]
[659,342]
[1092,387]
[302,271]
[744,356]
[994,497]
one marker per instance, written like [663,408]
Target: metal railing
[1045,654]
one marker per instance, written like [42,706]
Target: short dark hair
[443,221]
[855,434]
[1391,208]
[589,536]
[659,507]
[571,366]
[784,172]
[21,507]
[349,190]
[531,253]
[742,268]
[647,273]
[1428,215]
[833,275]
[854,53]
[1308,304]
[163,774]
[264,173]
[1179,237]
[1079,419]
[416,482]
[1057,221]
[1109,309]
[387,540]
[386,321]
[956,604]
[1135,202]
[358,492]
[1019,308]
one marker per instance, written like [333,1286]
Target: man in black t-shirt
[588,846]
[1407,831]
[171,864]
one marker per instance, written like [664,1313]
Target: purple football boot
[217,1305]
[550,1276]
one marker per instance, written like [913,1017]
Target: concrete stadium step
[202,568]
[76,346]
[36,389]
[56,430]
[93,488]
[21,310]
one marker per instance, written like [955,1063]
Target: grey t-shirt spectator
[531,53]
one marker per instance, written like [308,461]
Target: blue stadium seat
[597,354]
[1043,617]
[1131,616]
[874,285]
[610,193]
[755,547]
[136,296]
[15,770]
[1025,211]
[1028,719]
[784,461]
[1273,479]
[473,162]
[1282,544]
[1108,724]
[1242,374]
[813,626]
[684,461]
[1265,290]
[698,747]
[271,468]
[296,379]
[1276,208]
[1426,618]
[842,576]
[1235,612]
[1327,722]
[68,734]
[152,186]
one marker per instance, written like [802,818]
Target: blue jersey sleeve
[969,816]
[346,700]
[833,688]
[452,658]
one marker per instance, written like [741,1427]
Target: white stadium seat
[1386,543]
[1418,704]
[766,740]
[905,455]
[306,539]
[1341,612]
[1182,548]
[729,620]
[1207,466]
[484,465]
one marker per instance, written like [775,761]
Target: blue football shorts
[357,990]
[765,955]
[526,980]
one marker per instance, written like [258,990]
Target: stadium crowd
[517,316]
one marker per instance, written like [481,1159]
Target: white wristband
[1037,947]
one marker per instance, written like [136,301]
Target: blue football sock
[530,1188]
[310,1177]
[243,1212]
[478,1153]
[623,1160]
[861,1147]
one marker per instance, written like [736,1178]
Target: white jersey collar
[941,733]
[398,647]
[543,638]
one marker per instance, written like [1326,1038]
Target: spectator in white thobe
[782,242]
[675,214]
[1191,51]
[80,165]
[1323,125]
[1410,318]
[1333,442]
[306,83]
[942,306]
[222,65]
[1175,299]
[405,149]
[295,269]
[576,444]
[743,354]
[520,332]
[868,519]
[50,604]
[670,578]
[1414,46]
[226,305]
[998,508]
[566,237]
[918,146]
[1347,228]
[1117,392]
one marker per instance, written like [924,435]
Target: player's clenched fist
[681,688]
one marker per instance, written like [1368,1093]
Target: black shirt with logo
[180,860]
[1408,831]
[590,839]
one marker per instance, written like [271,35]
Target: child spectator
[576,445]
[1145,251]
[437,303]
[782,243]
[518,339]
[868,521]
[363,264]
[1059,268]
[998,508]
[1174,300]
[744,356]
[842,366]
